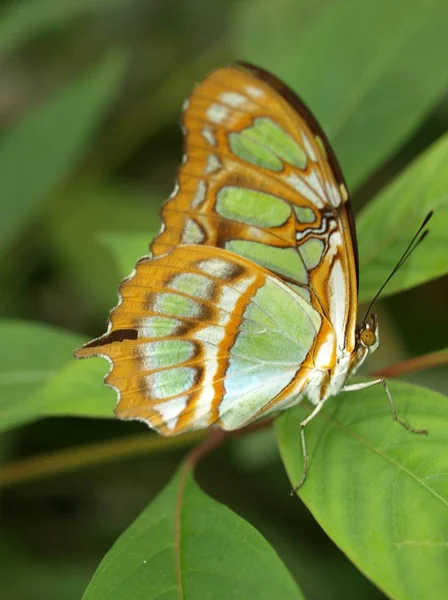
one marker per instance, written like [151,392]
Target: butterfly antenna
[416,241]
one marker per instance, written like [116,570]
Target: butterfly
[248,300]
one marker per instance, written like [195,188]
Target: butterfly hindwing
[202,336]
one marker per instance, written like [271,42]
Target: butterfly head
[368,334]
[367,341]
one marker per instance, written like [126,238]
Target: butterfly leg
[362,386]
[303,424]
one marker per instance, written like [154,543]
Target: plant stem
[88,455]
[412,365]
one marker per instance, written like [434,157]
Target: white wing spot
[254,91]
[199,196]
[217,268]
[324,357]
[211,335]
[192,233]
[217,113]
[335,243]
[338,296]
[233,98]
[333,193]
[228,299]
[207,395]
[298,184]
[308,147]
[171,409]
[209,136]
[314,181]
[213,164]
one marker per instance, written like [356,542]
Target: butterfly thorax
[325,383]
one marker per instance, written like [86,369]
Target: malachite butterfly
[248,302]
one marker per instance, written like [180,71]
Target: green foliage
[81,229]
[199,548]
[38,152]
[39,377]
[421,188]
[88,150]
[370,71]
[386,509]
[126,248]
[21,21]
[36,353]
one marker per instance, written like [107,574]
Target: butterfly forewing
[202,336]
[260,180]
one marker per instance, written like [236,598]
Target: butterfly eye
[368,337]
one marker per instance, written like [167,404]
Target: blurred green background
[90,93]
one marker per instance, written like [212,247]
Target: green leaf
[370,71]
[379,491]
[43,148]
[23,19]
[186,545]
[386,226]
[39,377]
[47,381]
[75,226]
[31,354]
[127,248]
[77,390]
